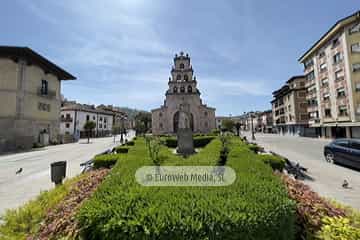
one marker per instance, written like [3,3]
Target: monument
[183,89]
[185,142]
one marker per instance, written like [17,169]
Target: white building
[74,117]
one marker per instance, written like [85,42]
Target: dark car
[343,151]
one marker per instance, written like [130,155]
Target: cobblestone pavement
[35,177]
[326,178]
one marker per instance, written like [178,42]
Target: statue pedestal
[185,142]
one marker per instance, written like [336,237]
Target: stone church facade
[182,91]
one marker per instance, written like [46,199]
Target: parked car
[343,151]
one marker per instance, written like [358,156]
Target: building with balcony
[30,87]
[74,116]
[289,108]
[332,70]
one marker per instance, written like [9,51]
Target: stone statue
[183,120]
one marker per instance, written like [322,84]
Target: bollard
[58,172]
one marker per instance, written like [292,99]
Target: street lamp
[252,127]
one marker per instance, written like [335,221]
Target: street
[16,189]
[327,178]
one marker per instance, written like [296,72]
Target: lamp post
[252,127]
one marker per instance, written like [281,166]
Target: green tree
[227,125]
[142,122]
[89,126]
[238,126]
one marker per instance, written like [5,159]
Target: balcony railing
[66,119]
[46,94]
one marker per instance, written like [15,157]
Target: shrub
[105,160]
[338,228]
[202,141]
[170,142]
[276,163]
[130,143]
[121,149]
[255,148]
[255,206]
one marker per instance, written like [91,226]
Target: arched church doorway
[176,121]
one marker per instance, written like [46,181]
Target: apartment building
[289,108]
[30,98]
[332,69]
[266,121]
[74,117]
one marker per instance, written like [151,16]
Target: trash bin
[58,172]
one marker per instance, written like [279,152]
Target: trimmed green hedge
[199,141]
[130,143]
[255,206]
[105,160]
[276,163]
[121,149]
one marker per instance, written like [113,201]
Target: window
[94,118]
[186,78]
[339,75]
[44,87]
[206,124]
[160,114]
[340,92]
[100,118]
[310,76]
[182,89]
[205,113]
[302,84]
[308,63]
[343,111]
[357,87]
[67,125]
[355,48]
[104,126]
[312,102]
[189,89]
[325,82]
[314,115]
[321,54]
[355,145]
[182,66]
[356,67]
[87,118]
[337,58]
[175,90]
[105,119]
[160,125]
[303,105]
[323,67]
[335,42]
[100,125]
[178,77]
[327,112]
[301,94]
[354,29]
[303,116]
[326,96]
[342,143]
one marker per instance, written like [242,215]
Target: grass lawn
[255,206]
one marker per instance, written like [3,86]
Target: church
[182,91]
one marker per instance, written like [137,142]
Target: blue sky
[122,51]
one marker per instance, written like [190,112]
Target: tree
[142,122]
[89,126]
[238,126]
[227,125]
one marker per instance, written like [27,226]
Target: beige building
[289,108]
[182,91]
[332,69]
[30,98]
